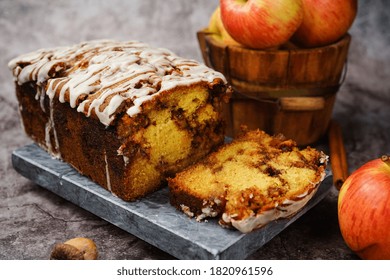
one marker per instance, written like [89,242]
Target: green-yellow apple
[325,21]
[364,210]
[261,24]
[216,27]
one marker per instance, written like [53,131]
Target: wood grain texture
[287,90]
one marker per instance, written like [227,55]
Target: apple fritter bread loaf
[122,113]
[249,182]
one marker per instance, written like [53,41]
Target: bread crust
[144,117]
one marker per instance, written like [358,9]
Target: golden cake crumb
[256,178]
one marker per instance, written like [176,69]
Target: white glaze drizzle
[126,159]
[57,144]
[50,128]
[107,172]
[20,117]
[97,77]
[286,209]
[40,95]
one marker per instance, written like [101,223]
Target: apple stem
[386,159]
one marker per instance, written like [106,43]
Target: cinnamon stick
[338,156]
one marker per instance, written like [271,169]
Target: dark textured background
[32,219]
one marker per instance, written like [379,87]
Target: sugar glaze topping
[103,77]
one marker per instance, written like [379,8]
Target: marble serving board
[152,219]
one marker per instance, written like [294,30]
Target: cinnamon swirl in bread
[122,113]
[253,180]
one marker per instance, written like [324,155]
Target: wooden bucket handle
[297,103]
[302,103]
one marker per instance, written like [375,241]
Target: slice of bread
[247,183]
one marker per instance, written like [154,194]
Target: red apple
[216,27]
[364,210]
[325,21]
[261,24]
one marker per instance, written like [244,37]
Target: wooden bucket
[290,91]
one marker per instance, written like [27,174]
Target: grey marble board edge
[152,219]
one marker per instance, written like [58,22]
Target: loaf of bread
[122,113]
[249,182]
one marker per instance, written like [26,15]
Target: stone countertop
[33,219]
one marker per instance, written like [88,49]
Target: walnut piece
[78,248]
